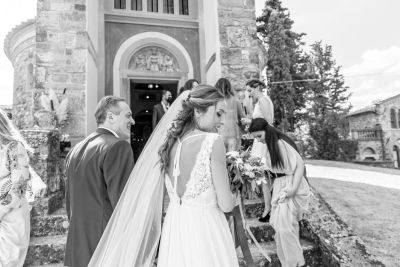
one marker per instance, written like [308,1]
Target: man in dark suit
[162,107]
[97,169]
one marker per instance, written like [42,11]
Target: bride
[191,162]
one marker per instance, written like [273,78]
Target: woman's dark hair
[272,135]
[224,86]
[255,83]
[201,98]
[188,85]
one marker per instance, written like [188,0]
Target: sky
[363,33]
[365,40]
[11,15]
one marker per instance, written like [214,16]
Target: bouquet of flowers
[245,172]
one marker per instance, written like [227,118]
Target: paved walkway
[353,175]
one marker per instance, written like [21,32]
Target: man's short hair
[254,83]
[164,92]
[106,104]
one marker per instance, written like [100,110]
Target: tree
[286,62]
[327,103]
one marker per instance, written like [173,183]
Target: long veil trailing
[133,232]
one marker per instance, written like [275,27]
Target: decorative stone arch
[369,154]
[122,74]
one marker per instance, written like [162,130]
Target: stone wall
[374,145]
[61,43]
[239,44]
[48,164]
[363,121]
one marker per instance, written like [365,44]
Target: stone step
[312,254]
[49,225]
[46,250]
[262,231]
[49,252]
[48,205]
[253,208]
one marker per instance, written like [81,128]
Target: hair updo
[201,98]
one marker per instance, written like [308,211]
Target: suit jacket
[158,112]
[97,170]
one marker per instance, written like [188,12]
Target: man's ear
[110,116]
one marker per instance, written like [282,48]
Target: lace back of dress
[201,180]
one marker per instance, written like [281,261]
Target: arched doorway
[144,65]
[369,154]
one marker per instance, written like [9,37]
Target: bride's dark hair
[201,97]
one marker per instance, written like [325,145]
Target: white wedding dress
[195,231]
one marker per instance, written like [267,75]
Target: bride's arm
[219,174]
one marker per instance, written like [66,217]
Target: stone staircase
[48,238]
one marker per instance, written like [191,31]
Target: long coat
[97,170]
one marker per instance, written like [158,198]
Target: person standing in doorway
[161,108]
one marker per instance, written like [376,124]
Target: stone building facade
[83,50]
[377,129]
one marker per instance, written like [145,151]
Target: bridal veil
[133,232]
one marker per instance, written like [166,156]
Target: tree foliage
[286,62]
[327,104]
[305,87]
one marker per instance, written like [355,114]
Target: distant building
[377,130]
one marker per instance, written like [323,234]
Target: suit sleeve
[118,165]
[154,117]
[67,195]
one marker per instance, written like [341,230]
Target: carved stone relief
[154,59]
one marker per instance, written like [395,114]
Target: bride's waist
[193,202]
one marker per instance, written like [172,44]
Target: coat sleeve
[117,167]
[154,117]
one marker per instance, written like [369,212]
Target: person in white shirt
[263,108]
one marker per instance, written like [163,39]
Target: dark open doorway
[144,95]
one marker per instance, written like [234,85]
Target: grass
[348,165]
[372,211]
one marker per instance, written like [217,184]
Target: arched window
[152,5]
[183,7]
[169,6]
[136,5]
[119,4]
[393,120]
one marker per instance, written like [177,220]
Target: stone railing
[367,134]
